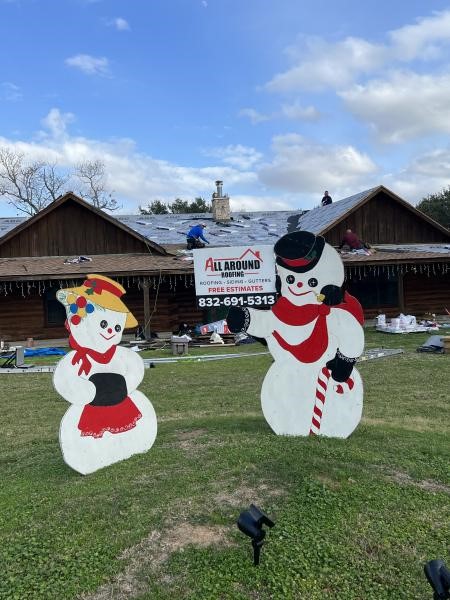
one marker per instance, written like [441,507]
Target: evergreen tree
[155,208]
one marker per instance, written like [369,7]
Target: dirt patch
[144,558]
[426,484]
[190,434]
[327,481]
[244,494]
[191,443]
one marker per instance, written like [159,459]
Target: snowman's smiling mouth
[106,337]
[302,294]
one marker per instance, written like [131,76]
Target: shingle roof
[321,218]
[113,264]
[243,228]
[400,255]
[9,223]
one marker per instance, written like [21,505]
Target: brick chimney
[220,204]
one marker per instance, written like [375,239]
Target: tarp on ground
[44,351]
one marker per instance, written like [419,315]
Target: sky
[279,99]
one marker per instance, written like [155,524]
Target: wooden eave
[70,196]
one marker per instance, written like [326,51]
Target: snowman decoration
[314,333]
[109,420]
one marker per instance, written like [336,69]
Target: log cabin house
[409,272]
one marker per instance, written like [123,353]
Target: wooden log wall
[426,294]
[169,307]
[24,316]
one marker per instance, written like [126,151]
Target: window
[55,313]
[375,292]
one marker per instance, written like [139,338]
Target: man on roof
[326,199]
[194,235]
[351,242]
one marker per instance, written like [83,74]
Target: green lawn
[355,519]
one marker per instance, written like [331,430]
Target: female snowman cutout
[109,420]
[315,335]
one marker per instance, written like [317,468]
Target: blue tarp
[44,351]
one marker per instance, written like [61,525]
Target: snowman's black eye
[312,282]
[290,279]
[117,328]
[103,324]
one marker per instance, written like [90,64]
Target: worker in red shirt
[351,240]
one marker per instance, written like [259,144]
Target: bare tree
[28,186]
[91,174]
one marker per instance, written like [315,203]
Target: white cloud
[239,156]
[90,65]
[254,116]
[304,166]
[293,111]
[119,23]
[56,123]
[424,39]
[298,112]
[247,203]
[328,65]
[403,106]
[136,178]
[426,174]
[296,176]
[319,63]
[10,92]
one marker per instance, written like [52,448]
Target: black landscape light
[250,522]
[438,576]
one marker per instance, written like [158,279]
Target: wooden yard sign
[315,335]
[109,420]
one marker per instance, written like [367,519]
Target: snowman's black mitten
[238,319]
[333,295]
[340,367]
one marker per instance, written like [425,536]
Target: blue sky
[281,99]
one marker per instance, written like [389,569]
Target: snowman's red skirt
[95,420]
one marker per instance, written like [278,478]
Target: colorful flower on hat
[79,307]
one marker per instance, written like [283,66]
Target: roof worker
[327,199]
[194,235]
[352,241]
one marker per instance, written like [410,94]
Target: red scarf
[314,347]
[82,354]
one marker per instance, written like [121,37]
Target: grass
[355,519]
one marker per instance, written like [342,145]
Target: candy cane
[321,390]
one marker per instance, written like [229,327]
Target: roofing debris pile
[77,260]
[405,324]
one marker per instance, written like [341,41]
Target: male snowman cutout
[314,333]
[109,420]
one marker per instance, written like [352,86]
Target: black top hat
[299,251]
